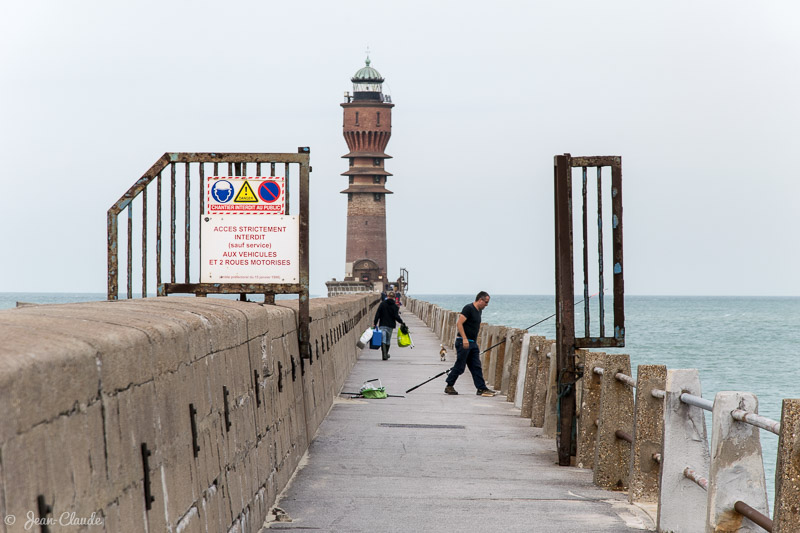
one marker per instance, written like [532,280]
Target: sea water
[736,343]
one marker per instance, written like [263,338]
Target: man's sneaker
[486,392]
[450,390]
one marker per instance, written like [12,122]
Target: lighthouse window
[351,180]
[356,118]
[349,197]
[376,162]
[379,119]
[376,179]
[378,197]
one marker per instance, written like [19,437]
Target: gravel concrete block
[534,347]
[589,409]
[515,349]
[612,455]
[648,430]
[540,390]
[550,419]
[787,472]
[500,358]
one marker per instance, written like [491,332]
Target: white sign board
[261,195]
[250,249]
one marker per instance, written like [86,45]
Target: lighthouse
[367,127]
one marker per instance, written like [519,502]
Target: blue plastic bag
[375,343]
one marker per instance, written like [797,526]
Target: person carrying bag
[386,318]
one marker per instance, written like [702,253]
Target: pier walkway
[431,462]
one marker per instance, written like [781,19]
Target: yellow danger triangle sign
[246,195]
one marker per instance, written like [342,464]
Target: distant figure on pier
[386,318]
[467,351]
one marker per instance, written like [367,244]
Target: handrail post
[787,472]
[737,469]
[682,503]
[648,429]
[612,455]
[589,409]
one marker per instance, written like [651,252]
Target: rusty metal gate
[141,259]
[566,339]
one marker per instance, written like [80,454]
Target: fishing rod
[496,345]
[539,322]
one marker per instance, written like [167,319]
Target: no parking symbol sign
[252,195]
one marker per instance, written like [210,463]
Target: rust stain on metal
[138,192]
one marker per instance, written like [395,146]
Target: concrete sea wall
[163,414]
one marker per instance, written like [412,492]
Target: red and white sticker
[252,195]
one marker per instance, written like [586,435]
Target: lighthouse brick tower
[367,128]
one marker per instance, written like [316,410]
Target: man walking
[468,324]
[387,316]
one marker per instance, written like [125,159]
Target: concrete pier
[432,462]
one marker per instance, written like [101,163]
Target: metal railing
[689,472]
[180,272]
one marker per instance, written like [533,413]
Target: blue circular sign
[222,191]
[269,191]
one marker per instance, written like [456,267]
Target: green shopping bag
[403,337]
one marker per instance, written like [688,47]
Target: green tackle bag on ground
[374,390]
[374,394]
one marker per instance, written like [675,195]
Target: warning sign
[249,249]
[252,195]
[246,195]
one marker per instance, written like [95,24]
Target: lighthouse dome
[367,74]
[367,84]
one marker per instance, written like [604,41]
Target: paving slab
[432,462]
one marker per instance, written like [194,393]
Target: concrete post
[737,469]
[539,405]
[486,359]
[521,370]
[648,430]
[682,503]
[589,410]
[500,360]
[551,404]
[452,328]
[787,472]
[612,454]
[493,377]
[534,347]
[509,379]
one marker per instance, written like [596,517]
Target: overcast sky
[701,100]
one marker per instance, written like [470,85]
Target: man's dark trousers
[467,357]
